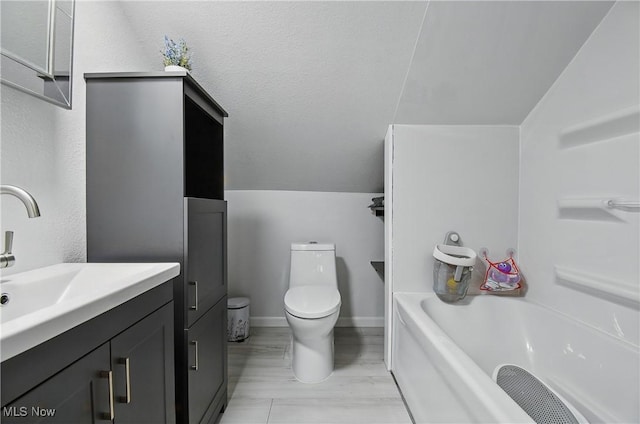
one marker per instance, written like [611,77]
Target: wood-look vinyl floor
[262,388]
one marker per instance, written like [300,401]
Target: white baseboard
[342,322]
[360,322]
[268,322]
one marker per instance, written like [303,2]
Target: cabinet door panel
[207,352]
[145,353]
[77,394]
[205,255]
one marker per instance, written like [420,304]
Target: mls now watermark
[24,411]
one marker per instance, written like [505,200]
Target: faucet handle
[6,258]
[8,242]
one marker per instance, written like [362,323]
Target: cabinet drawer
[206,366]
[205,255]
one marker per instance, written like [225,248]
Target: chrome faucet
[6,258]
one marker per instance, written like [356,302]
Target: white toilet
[312,306]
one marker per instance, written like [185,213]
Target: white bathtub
[444,356]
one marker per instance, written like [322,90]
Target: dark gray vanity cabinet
[155,194]
[141,372]
[206,356]
[117,367]
[77,394]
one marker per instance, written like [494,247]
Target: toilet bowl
[312,306]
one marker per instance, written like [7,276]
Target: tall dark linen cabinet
[155,194]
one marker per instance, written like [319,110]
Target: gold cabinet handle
[109,376]
[127,371]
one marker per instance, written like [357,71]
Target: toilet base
[312,347]
[312,360]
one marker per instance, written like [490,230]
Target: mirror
[37,48]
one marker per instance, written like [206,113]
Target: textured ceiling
[310,87]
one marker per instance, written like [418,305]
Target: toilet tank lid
[313,246]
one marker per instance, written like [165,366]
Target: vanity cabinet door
[205,255]
[143,368]
[77,394]
[207,363]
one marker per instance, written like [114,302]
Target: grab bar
[623,204]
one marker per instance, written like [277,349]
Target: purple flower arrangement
[177,54]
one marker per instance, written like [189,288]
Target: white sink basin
[46,302]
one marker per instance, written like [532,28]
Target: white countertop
[46,302]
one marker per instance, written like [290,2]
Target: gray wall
[263,224]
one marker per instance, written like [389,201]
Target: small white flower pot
[175,68]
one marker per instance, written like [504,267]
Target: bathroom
[311,89]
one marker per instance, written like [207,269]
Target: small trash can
[237,319]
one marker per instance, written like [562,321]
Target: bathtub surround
[449,178]
[263,224]
[580,146]
[442,178]
[578,327]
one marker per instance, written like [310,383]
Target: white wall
[451,178]
[43,146]
[263,224]
[442,178]
[580,146]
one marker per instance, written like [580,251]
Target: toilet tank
[313,264]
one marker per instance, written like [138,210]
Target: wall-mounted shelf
[377,207]
[379,267]
[621,291]
[597,209]
[606,128]
[377,211]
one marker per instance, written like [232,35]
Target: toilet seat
[312,301]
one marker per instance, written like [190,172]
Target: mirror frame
[57,89]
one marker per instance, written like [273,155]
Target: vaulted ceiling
[311,87]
